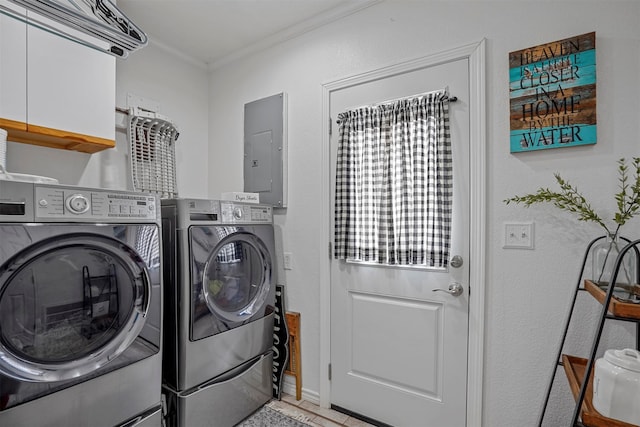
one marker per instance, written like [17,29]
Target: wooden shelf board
[54,138]
[616,307]
[575,368]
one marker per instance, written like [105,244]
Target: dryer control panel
[75,203]
[236,213]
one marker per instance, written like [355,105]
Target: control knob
[237,213]
[78,203]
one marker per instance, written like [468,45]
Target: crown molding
[294,31]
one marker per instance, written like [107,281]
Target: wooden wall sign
[552,88]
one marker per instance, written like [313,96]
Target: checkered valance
[394,183]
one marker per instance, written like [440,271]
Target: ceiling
[214,32]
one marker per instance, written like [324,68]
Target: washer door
[68,305]
[236,279]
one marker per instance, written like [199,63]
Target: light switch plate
[288,261]
[518,235]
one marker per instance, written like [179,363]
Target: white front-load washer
[80,307]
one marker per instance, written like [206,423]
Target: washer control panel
[235,213]
[56,202]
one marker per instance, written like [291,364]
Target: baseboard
[289,387]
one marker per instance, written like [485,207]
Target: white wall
[180,90]
[527,292]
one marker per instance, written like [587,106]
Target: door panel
[369,330]
[399,349]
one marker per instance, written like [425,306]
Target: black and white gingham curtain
[394,183]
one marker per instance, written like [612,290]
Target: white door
[399,348]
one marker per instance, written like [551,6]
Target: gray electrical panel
[265,149]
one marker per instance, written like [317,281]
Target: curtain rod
[417,95]
[389,101]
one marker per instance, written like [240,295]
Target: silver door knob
[455,289]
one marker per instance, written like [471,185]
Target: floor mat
[267,417]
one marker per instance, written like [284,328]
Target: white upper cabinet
[13,66]
[63,92]
[70,86]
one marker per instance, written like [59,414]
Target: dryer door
[232,277]
[71,302]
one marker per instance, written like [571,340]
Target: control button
[43,203]
[78,204]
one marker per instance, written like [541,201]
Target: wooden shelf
[616,307]
[575,368]
[54,138]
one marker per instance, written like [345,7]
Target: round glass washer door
[69,305]
[237,277]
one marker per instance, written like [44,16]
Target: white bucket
[4,175]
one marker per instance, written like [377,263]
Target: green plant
[569,199]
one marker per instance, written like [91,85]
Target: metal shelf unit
[579,371]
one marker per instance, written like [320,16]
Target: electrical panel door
[265,149]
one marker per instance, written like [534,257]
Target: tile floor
[312,414]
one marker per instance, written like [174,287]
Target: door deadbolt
[456,261]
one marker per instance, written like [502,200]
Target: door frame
[475,53]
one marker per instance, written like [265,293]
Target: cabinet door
[71,87]
[13,65]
